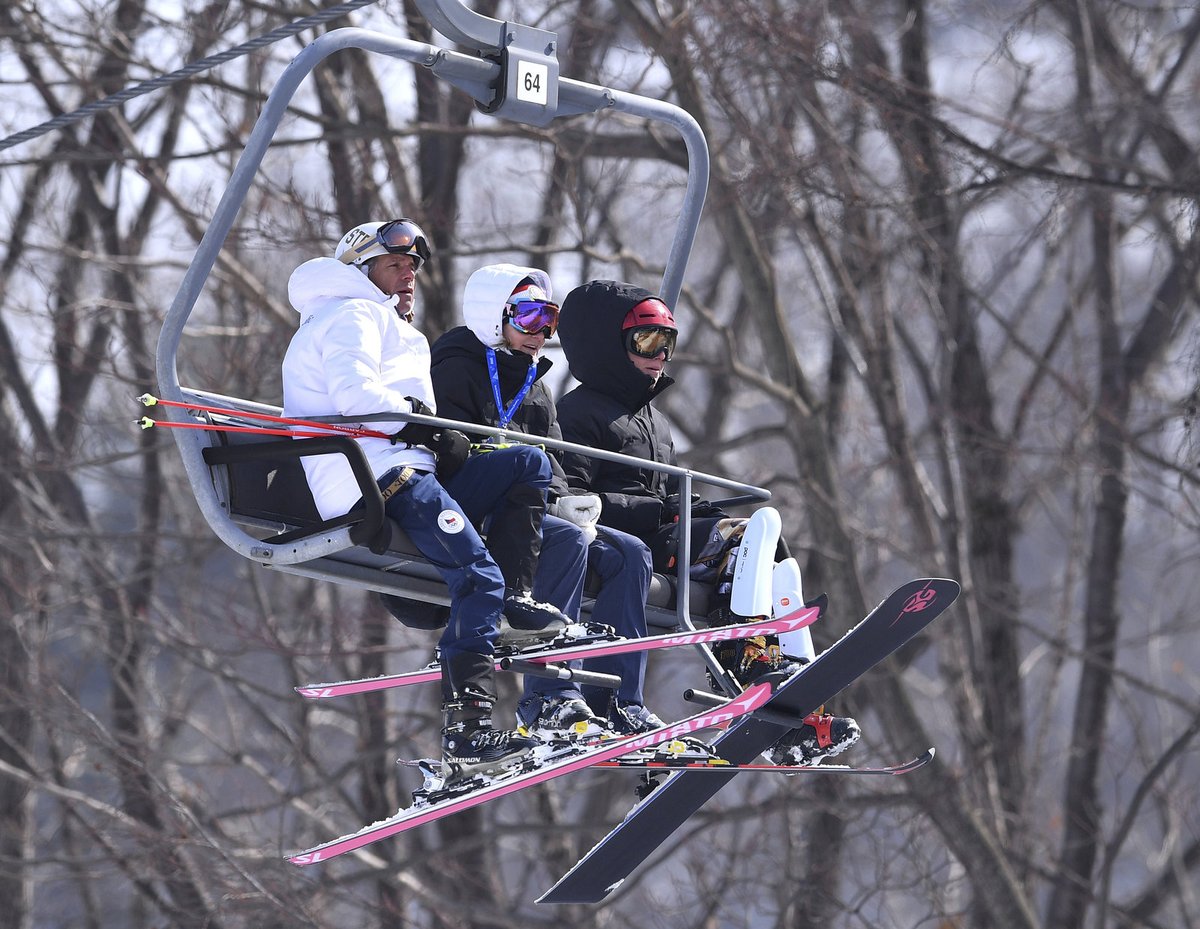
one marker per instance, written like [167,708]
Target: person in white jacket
[356,352]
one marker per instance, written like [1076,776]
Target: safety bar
[327,543]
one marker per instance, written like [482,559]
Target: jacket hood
[327,278]
[589,328]
[486,293]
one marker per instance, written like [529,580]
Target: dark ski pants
[481,488]
[622,564]
[476,587]
[441,522]
[559,581]
[442,532]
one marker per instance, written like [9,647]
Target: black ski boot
[749,659]
[525,614]
[470,743]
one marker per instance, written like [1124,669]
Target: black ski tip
[821,602]
[551,897]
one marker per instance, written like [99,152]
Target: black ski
[908,610]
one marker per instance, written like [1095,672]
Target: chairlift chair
[251,488]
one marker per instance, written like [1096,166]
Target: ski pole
[354,431]
[147,423]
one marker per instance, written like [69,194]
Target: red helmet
[650,312]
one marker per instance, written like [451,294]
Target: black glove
[670,511]
[706,509]
[416,433]
[452,449]
[700,509]
[419,407]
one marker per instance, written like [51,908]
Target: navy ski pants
[441,521]
[441,531]
[622,563]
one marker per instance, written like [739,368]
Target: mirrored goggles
[533,316]
[404,237]
[651,341]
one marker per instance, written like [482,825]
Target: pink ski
[797,620]
[746,702]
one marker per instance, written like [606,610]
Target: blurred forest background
[943,303]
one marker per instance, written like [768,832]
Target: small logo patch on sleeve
[450,522]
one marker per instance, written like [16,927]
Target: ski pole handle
[558,672]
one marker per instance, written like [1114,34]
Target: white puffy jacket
[352,354]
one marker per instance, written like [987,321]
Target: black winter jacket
[463,390]
[611,409]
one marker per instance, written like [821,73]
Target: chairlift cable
[196,67]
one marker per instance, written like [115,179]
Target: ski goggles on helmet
[404,237]
[532,316]
[651,341]
[397,237]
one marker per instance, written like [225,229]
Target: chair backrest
[272,490]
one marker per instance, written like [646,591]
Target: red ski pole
[147,423]
[341,428]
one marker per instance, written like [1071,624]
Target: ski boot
[525,621]
[632,718]
[821,736]
[559,717]
[749,659]
[471,745]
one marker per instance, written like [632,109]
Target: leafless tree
[943,304]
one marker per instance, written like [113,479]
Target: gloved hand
[416,433]
[706,509]
[699,509]
[419,407]
[583,510]
[452,449]
[670,512]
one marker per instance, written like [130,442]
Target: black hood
[462,342]
[589,328]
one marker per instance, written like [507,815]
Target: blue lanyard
[506,415]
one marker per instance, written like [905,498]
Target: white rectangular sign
[531,82]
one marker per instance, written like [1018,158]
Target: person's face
[394,275]
[529,343]
[653,367]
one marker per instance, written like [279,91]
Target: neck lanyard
[506,414]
